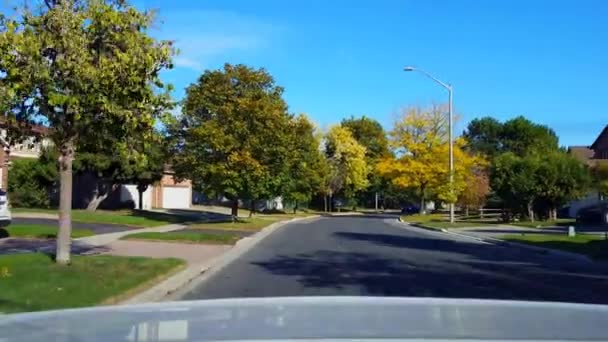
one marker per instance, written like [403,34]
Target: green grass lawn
[254,223]
[134,218]
[39,231]
[33,282]
[593,246]
[186,237]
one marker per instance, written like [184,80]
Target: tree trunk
[141,188]
[295,207]
[325,203]
[553,214]
[62,253]
[422,203]
[376,201]
[466,211]
[235,209]
[530,211]
[252,207]
[102,191]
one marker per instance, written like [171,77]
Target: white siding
[129,192]
[176,197]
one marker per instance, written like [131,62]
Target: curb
[440,230]
[182,282]
[500,242]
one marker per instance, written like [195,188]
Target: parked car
[410,209]
[5,212]
[597,214]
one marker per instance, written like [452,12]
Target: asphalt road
[376,256]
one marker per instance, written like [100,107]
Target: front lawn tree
[90,71]
[420,143]
[369,133]
[307,164]
[348,169]
[233,136]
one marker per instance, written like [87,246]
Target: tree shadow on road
[460,270]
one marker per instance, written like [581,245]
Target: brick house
[168,193]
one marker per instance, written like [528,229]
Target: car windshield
[172,161]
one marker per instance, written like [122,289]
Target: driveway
[375,256]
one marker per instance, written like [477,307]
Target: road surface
[377,256]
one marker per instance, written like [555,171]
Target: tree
[233,137]
[513,180]
[151,170]
[346,159]
[476,190]
[599,176]
[369,133]
[519,135]
[307,165]
[484,136]
[561,178]
[420,142]
[90,71]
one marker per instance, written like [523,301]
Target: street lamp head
[409,68]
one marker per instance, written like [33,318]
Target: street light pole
[450,89]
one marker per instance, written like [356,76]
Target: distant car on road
[593,214]
[410,209]
[5,212]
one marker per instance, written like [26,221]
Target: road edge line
[500,242]
[213,266]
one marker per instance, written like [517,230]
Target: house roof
[604,131]
[582,153]
[34,128]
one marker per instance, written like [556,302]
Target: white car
[5,212]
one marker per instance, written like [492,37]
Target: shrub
[29,182]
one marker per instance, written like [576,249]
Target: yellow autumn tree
[420,141]
[346,159]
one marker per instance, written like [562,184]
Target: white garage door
[176,198]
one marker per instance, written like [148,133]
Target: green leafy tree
[561,179]
[90,70]
[233,137]
[370,133]
[348,168]
[484,136]
[519,136]
[307,164]
[599,174]
[513,180]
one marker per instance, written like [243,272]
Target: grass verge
[253,223]
[593,246]
[33,282]
[134,218]
[39,231]
[185,237]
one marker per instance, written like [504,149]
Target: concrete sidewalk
[104,239]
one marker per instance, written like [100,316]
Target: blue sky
[544,59]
